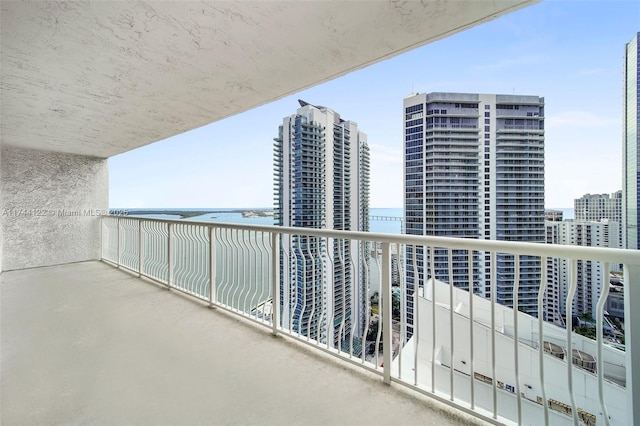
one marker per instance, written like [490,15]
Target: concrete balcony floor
[86,343]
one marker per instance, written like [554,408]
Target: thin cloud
[384,154]
[580,118]
[590,72]
[509,63]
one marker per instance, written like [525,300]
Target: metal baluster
[599,339]
[573,284]
[516,289]
[385,298]
[471,296]
[494,390]
[543,285]
[452,351]
[275,282]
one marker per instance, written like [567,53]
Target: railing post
[169,255]
[632,340]
[140,246]
[275,282]
[212,268]
[101,237]
[385,295]
[118,246]
[494,278]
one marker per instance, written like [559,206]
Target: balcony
[235,269]
[83,342]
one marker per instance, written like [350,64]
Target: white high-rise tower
[474,168]
[322,181]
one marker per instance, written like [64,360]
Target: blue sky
[570,52]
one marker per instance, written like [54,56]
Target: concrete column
[50,205]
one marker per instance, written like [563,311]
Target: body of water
[376,225]
[234,215]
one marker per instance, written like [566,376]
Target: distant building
[589,274]
[474,168]
[595,207]
[322,181]
[615,303]
[631,145]
[553,215]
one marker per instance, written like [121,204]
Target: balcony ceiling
[102,78]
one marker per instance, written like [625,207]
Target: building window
[487,121]
[487,107]
[487,128]
[486,114]
[487,136]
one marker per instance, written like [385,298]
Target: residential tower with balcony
[321,167]
[595,207]
[589,274]
[474,168]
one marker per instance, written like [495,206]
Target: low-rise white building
[590,275]
[434,343]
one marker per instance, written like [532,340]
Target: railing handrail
[598,254]
[224,264]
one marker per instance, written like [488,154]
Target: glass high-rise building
[322,181]
[630,145]
[474,168]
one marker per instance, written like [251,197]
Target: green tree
[395,303]
[585,331]
[372,334]
[586,316]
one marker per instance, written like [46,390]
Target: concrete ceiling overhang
[102,78]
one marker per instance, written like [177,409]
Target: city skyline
[571,53]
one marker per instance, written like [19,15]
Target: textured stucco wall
[1,216]
[50,206]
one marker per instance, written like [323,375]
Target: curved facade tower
[322,181]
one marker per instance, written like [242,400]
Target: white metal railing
[349,294]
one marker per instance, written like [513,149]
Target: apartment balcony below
[86,343]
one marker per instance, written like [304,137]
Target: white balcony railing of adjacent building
[494,362]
